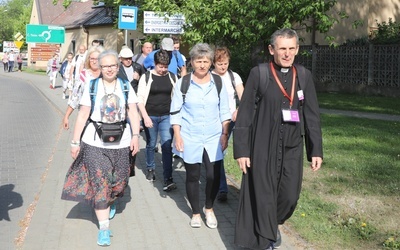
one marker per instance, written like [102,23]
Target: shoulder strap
[218,82]
[147,76]
[125,89]
[232,79]
[264,79]
[301,74]
[185,86]
[172,76]
[76,58]
[137,57]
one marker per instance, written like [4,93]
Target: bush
[386,33]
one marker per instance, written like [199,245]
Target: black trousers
[213,172]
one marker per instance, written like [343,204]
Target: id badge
[290,115]
[300,95]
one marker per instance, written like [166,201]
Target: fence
[368,66]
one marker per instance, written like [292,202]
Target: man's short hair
[285,32]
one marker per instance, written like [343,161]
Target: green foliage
[15,14]
[387,33]
[392,242]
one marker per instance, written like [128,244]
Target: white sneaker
[211,220]
[195,222]
[63,95]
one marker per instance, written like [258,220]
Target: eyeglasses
[106,67]
[93,58]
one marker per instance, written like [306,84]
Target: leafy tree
[15,14]
[243,25]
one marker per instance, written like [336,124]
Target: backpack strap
[184,88]
[125,90]
[264,81]
[218,82]
[186,83]
[137,57]
[301,77]
[147,76]
[234,86]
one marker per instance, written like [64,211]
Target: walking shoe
[150,176]
[103,238]
[222,196]
[270,246]
[113,210]
[169,185]
[195,222]
[278,242]
[211,220]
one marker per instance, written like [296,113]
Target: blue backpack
[63,67]
[93,91]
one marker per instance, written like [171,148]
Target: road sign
[18,36]
[18,44]
[127,17]
[44,34]
[156,24]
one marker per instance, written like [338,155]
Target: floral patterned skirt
[97,176]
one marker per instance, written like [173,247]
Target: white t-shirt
[77,62]
[112,109]
[226,79]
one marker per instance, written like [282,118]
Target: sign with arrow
[44,34]
[156,24]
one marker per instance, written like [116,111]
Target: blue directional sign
[127,17]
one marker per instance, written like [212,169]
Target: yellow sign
[18,36]
[18,44]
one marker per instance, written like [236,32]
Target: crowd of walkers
[191,115]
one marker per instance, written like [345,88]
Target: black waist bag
[110,132]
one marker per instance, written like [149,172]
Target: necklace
[105,88]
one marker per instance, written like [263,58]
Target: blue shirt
[148,63]
[200,118]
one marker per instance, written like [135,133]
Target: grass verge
[373,104]
[352,202]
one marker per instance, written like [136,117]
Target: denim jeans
[162,127]
[223,186]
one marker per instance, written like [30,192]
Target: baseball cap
[167,44]
[126,52]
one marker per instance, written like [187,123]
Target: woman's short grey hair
[108,53]
[286,33]
[201,50]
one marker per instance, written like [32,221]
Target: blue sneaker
[103,238]
[113,210]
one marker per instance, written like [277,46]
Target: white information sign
[10,45]
[156,24]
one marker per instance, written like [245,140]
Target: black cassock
[271,187]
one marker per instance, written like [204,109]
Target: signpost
[155,24]
[44,34]
[127,17]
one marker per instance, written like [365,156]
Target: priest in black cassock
[278,113]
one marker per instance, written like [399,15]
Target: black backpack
[186,83]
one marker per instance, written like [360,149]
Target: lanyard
[291,97]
